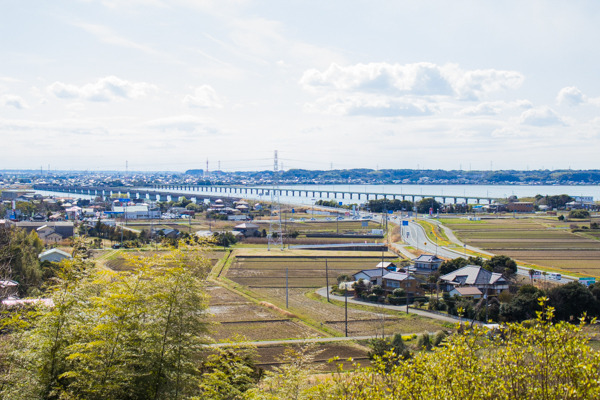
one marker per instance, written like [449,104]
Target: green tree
[424,205]
[118,335]
[19,258]
[502,265]
[573,299]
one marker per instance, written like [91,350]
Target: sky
[155,85]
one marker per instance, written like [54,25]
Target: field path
[441,317]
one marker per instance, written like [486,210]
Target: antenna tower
[275,232]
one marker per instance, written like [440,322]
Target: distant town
[302,176]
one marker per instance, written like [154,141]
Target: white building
[139,211]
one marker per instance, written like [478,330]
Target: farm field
[544,241]
[306,271]
[361,322]
[269,357]
[263,274]
[240,319]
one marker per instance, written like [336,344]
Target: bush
[424,342]
[579,214]
[438,338]
[436,305]
[372,297]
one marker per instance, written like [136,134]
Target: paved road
[441,317]
[415,236]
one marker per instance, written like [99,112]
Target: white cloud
[541,116]
[183,123]
[204,97]
[62,126]
[13,101]
[473,85]
[370,105]
[422,79]
[383,89]
[571,96]
[105,89]
[494,108]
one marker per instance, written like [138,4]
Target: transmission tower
[275,232]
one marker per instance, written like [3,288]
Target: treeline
[420,176]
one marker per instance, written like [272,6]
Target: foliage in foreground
[538,361]
[126,335]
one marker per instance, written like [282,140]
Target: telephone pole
[275,236]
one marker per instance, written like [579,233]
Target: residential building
[427,264]
[247,228]
[475,276]
[396,280]
[54,255]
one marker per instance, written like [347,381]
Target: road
[414,235]
[441,317]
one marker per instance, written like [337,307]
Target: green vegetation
[19,259]
[539,360]
[127,335]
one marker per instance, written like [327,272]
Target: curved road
[415,236]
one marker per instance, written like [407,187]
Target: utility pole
[327,279]
[346,307]
[286,288]
[275,236]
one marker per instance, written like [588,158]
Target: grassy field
[540,241]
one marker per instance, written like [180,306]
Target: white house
[54,255]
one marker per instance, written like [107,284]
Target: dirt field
[541,241]
[306,272]
[360,322]
[270,356]
[241,319]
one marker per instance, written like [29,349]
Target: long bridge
[167,192]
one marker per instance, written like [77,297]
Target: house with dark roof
[401,280]
[427,264]
[247,229]
[475,276]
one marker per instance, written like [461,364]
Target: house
[373,275]
[466,291]
[168,233]
[54,255]
[48,234]
[475,276]
[247,228]
[520,206]
[65,229]
[390,266]
[396,280]
[427,264]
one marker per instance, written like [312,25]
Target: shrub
[438,338]
[424,342]
[579,214]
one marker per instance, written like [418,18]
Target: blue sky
[165,85]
